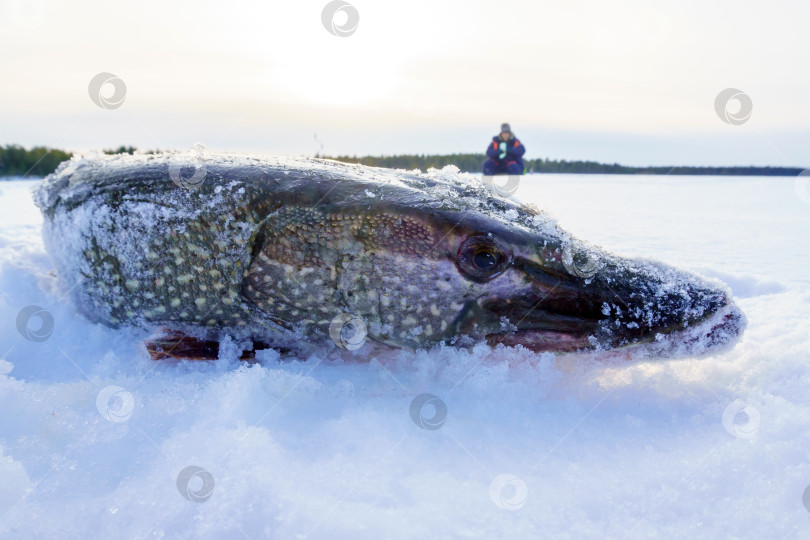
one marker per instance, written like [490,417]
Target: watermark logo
[115,404]
[100,83]
[508,492]
[348,331]
[35,332]
[195,484]
[504,185]
[806,498]
[340,18]
[581,262]
[802,186]
[178,169]
[741,419]
[428,411]
[726,113]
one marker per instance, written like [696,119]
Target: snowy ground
[531,446]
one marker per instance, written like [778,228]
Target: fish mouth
[717,332]
[541,340]
[629,304]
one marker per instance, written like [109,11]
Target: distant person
[504,154]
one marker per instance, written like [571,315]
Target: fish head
[519,279]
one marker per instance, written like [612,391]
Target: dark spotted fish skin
[258,248]
[155,252]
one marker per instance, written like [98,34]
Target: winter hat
[505,128]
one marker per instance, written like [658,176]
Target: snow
[95,437]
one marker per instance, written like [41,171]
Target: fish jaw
[609,303]
[714,333]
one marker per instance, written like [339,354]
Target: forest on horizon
[16,160]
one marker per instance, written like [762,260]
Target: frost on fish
[274,248]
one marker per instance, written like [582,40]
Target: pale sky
[632,82]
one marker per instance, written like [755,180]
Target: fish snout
[649,302]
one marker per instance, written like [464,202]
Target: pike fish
[284,251]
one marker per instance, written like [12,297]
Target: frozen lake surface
[97,440]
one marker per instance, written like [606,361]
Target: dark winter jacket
[514,150]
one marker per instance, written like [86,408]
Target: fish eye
[480,258]
[484,260]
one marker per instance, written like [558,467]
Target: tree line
[16,160]
[38,161]
[474,162]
